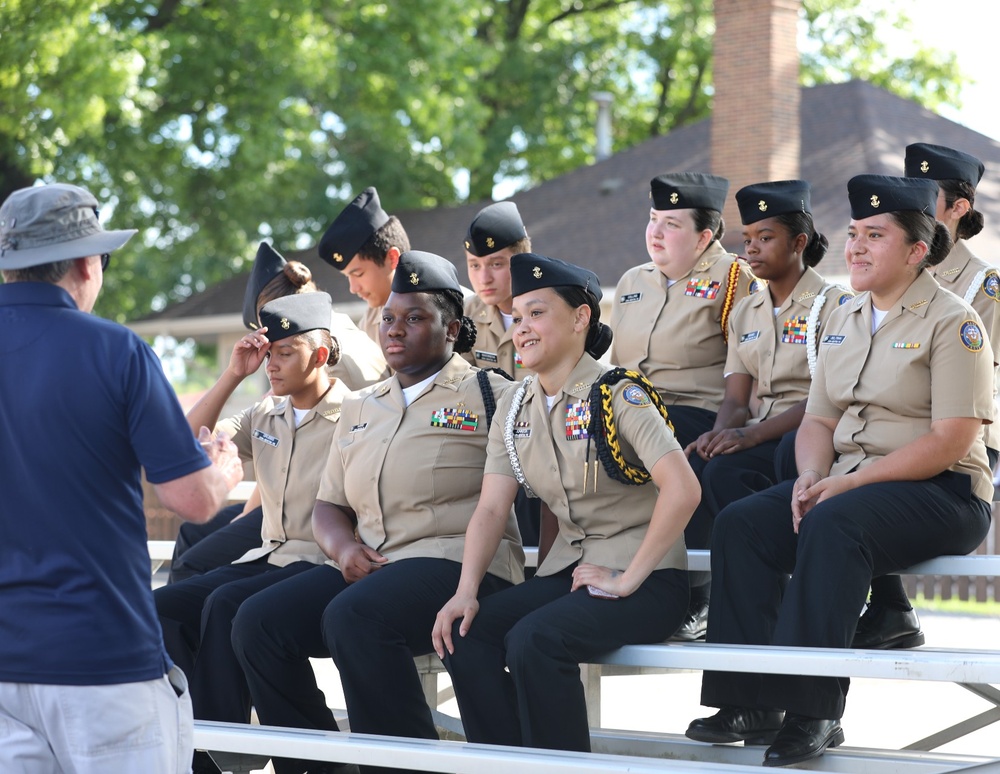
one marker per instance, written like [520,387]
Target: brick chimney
[755,112]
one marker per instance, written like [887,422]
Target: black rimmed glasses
[105,260]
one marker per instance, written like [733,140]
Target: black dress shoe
[882,627]
[202,763]
[736,724]
[801,739]
[695,623]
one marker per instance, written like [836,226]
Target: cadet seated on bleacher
[405,471]
[236,528]
[616,571]
[893,471]
[287,439]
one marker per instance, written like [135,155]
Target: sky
[971,32]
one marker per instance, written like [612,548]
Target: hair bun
[598,340]
[297,273]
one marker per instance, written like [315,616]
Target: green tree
[211,126]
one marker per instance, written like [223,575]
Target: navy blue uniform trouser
[842,544]
[196,616]
[542,633]
[372,629]
[690,422]
[221,541]
[888,589]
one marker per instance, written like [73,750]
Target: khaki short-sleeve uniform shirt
[928,360]
[605,527]
[370,322]
[674,335]
[773,348]
[494,347]
[288,463]
[965,274]
[413,474]
[361,361]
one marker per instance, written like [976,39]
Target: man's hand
[223,454]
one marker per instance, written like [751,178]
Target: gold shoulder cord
[727,304]
[604,433]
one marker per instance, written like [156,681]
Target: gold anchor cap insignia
[285,324]
[536,273]
[338,257]
[875,202]
[490,242]
[924,166]
[467,245]
[674,198]
[414,279]
[762,205]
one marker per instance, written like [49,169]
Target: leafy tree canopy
[213,125]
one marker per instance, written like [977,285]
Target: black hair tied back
[466,335]
[598,340]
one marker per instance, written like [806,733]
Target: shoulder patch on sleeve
[971,336]
[991,285]
[636,395]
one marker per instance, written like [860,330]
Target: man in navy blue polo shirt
[85,683]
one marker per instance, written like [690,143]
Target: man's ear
[86,267]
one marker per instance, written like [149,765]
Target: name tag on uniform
[629,298]
[752,336]
[833,341]
[489,357]
[358,428]
[260,435]
[522,430]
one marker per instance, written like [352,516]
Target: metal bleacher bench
[240,746]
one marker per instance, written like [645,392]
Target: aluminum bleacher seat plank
[947,665]
[433,755]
